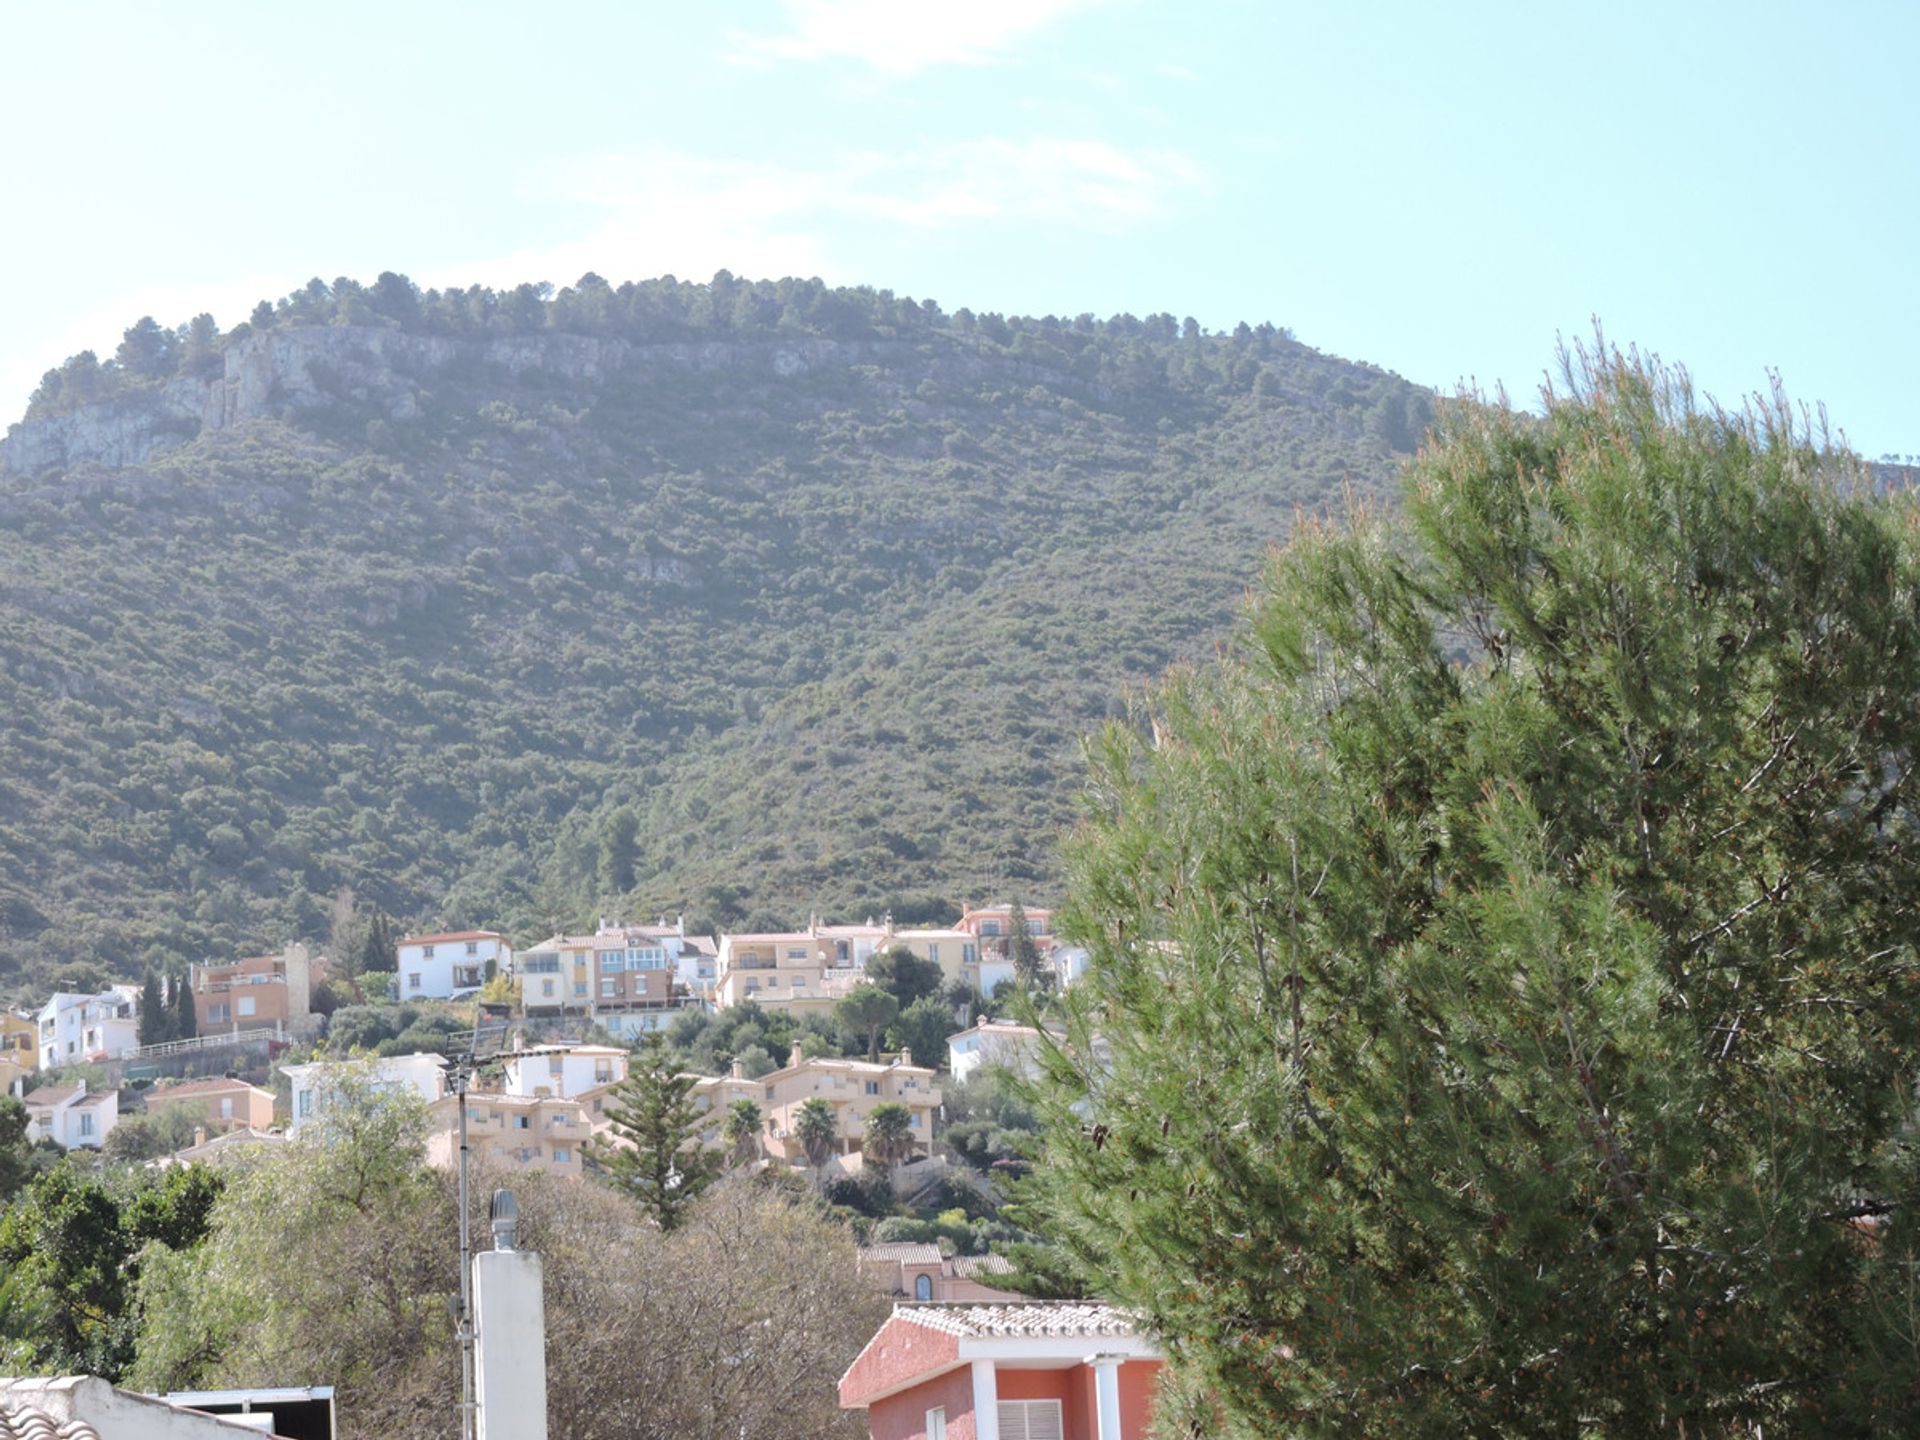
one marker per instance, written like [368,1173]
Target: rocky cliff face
[283,372]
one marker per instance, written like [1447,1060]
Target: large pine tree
[1504,964]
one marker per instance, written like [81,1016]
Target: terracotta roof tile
[900,1252]
[1020,1319]
[968,1267]
[28,1422]
[55,1094]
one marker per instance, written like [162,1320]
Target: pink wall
[904,1416]
[899,1352]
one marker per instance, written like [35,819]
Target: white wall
[422,1075]
[435,972]
[529,1074]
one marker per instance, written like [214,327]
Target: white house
[75,1028]
[315,1085]
[995,1043]
[69,1116]
[439,967]
[564,1071]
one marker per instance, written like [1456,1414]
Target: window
[840,952]
[607,988]
[923,1290]
[473,947]
[562,1155]
[86,1122]
[426,952]
[413,979]
[797,952]
[933,954]
[1030,1420]
[1038,925]
[936,1419]
[556,1065]
[914,1120]
[216,1015]
[989,927]
[246,1004]
[799,982]
[603,1072]
[226,1107]
[873,1087]
[546,989]
[520,1122]
[303,1102]
[579,987]
[969,955]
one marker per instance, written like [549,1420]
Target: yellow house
[853,1088]
[528,1132]
[556,976]
[19,1052]
[801,970]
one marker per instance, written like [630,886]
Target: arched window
[923,1287]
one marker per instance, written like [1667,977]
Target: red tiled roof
[192,1088]
[55,1094]
[1020,1319]
[968,1267]
[450,935]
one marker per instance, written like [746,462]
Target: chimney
[737,1071]
[510,1334]
[199,1136]
[796,1056]
[299,967]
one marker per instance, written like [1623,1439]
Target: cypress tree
[185,1025]
[156,1022]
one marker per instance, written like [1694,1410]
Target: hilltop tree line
[1122,349]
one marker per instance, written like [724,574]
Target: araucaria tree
[655,1155]
[1505,958]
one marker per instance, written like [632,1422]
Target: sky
[1443,190]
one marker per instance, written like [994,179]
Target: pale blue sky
[1439,189]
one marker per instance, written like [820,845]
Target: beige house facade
[217,1105]
[853,1088]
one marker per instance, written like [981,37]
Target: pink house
[1027,1370]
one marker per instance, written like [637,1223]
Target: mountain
[739,599]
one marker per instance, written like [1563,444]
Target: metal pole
[466,1270]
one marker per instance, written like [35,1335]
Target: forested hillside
[502,607]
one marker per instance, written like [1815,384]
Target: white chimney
[510,1335]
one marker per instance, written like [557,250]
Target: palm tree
[889,1137]
[817,1128]
[742,1132]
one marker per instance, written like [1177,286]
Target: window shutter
[1030,1420]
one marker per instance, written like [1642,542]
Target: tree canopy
[1504,959]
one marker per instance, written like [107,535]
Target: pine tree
[656,1155]
[1503,962]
